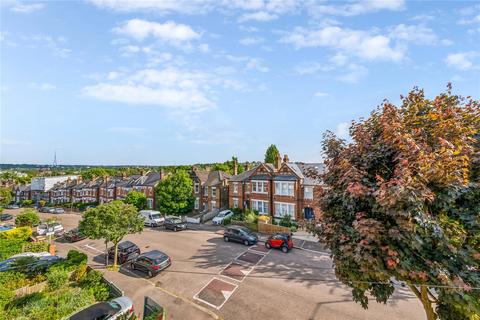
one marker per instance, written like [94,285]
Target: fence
[209,215]
[23,291]
[271,228]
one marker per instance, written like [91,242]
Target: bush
[293,228]
[10,247]
[251,216]
[40,246]
[93,282]
[286,221]
[25,203]
[27,218]
[79,274]
[265,219]
[57,278]
[22,233]
[227,221]
[236,211]
[74,259]
[6,296]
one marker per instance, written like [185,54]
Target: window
[260,206]
[205,191]
[308,192]
[235,202]
[235,187]
[197,203]
[213,204]
[214,192]
[284,188]
[259,186]
[150,203]
[197,187]
[282,209]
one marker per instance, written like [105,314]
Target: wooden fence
[271,228]
[23,291]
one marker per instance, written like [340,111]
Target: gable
[261,172]
[287,172]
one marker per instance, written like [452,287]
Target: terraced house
[144,183]
[283,188]
[62,191]
[200,192]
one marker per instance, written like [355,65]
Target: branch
[415,290]
[434,300]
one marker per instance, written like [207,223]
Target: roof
[244,175]
[149,179]
[202,175]
[312,172]
[217,177]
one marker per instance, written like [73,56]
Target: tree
[271,154]
[27,218]
[401,201]
[175,194]
[5,197]
[138,199]
[111,222]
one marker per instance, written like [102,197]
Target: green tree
[401,201]
[175,194]
[5,197]
[94,173]
[27,218]
[111,222]
[138,199]
[271,154]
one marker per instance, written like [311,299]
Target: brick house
[283,188]
[144,183]
[86,191]
[107,191]
[21,193]
[200,192]
[61,192]
[216,189]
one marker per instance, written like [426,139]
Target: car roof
[153,254]
[95,311]
[239,228]
[126,244]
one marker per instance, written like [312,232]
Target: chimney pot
[278,162]
[285,158]
[235,167]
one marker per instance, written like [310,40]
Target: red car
[281,241]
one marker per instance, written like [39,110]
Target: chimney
[235,167]
[247,166]
[285,158]
[278,162]
[79,179]
[142,172]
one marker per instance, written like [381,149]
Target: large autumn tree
[402,200]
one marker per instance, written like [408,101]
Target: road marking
[225,293]
[93,248]
[244,272]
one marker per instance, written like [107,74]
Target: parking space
[236,271]
[216,293]
[259,248]
[250,257]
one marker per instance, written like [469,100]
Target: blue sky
[178,82]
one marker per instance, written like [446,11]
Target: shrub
[293,228]
[27,218]
[57,278]
[93,282]
[25,203]
[236,211]
[10,247]
[286,221]
[42,203]
[265,219]
[6,296]
[76,257]
[22,233]
[79,274]
[227,221]
[40,246]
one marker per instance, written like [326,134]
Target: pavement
[213,279]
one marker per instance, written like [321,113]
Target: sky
[115,82]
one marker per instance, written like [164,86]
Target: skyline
[106,82]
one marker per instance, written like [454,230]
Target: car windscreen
[176,221]
[221,215]
[159,259]
[100,310]
[155,216]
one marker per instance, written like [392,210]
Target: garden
[250,218]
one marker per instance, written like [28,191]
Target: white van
[152,218]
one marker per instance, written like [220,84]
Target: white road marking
[93,248]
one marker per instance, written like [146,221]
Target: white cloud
[248,41]
[204,47]
[44,86]
[320,94]
[354,73]
[23,7]
[261,16]
[359,43]
[168,32]
[312,67]
[343,130]
[418,34]
[358,7]
[461,60]
[470,15]
[248,28]
[249,62]
[159,7]
[55,44]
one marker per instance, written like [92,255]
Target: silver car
[110,310]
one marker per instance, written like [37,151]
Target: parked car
[174,224]
[31,254]
[47,210]
[106,310]
[152,218]
[12,206]
[74,235]
[240,234]
[281,241]
[48,229]
[126,250]
[58,210]
[151,262]
[90,207]
[29,264]
[5,217]
[222,216]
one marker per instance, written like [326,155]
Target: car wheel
[132,266]
[284,249]
[226,239]
[174,229]
[150,274]
[246,242]
[267,245]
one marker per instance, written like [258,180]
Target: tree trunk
[115,257]
[422,294]
[106,253]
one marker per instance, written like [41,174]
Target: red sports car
[281,241]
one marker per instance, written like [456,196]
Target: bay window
[308,192]
[259,186]
[284,188]
[282,209]
[260,206]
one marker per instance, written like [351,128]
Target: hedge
[21,233]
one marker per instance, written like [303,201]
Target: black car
[174,224]
[151,262]
[5,217]
[240,234]
[74,235]
[126,250]
[29,264]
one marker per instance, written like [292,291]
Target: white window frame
[261,206]
[235,202]
[197,203]
[213,204]
[214,192]
[235,187]
[259,186]
[196,186]
[308,192]
[285,188]
[284,208]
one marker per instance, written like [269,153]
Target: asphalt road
[209,279]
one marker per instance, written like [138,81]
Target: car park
[151,262]
[222,216]
[74,235]
[49,229]
[282,241]
[5,217]
[152,218]
[119,308]
[240,234]
[59,210]
[175,224]
[126,250]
